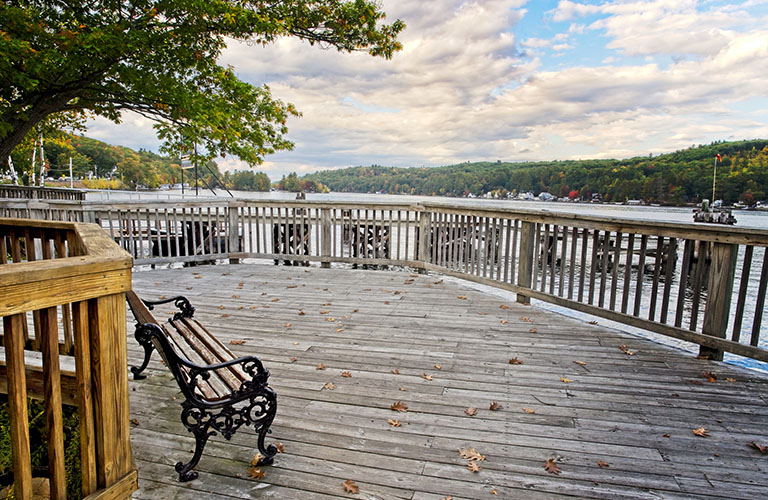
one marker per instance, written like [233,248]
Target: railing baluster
[628,272]
[742,297]
[760,302]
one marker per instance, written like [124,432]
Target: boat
[714,214]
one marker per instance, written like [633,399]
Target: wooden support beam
[720,286]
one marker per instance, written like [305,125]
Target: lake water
[746,219]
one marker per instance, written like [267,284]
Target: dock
[556,407]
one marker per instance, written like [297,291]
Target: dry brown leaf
[350,486]
[438,367]
[471,454]
[437,282]
[495,406]
[413,275]
[666,435]
[399,406]
[330,318]
[533,330]
[426,377]
[393,423]
[515,361]
[235,296]
[462,297]
[471,411]
[225,315]
[580,363]
[592,322]
[346,316]
[623,348]
[504,321]
[275,300]
[198,277]
[241,284]
[255,473]
[280,447]
[602,464]
[135,421]
[503,306]
[526,319]
[256,458]
[729,379]
[551,467]
[404,389]
[236,342]
[474,467]
[346,374]
[240,308]
[386,302]
[493,492]
[221,307]
[565,380]
[529,411]
[253,307]
[287,325]
[324,312]
[396,371]
[292,286]
[301,313]
[320,366]
[355,310]
[293,360]
[701,431]
[340,329]
[449,497]
[760,447]
[329,386]
[710,376]
[295,343]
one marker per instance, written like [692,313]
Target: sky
[513,81]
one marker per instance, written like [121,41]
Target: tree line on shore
[676,178]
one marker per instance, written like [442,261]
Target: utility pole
[71,179]
[197,188]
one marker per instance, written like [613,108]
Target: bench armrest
[182,304]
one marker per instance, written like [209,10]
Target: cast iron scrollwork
[186,310]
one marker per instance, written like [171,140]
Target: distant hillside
[677,178]
[130,168]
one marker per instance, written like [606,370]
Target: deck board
[635,413]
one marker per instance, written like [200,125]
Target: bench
[221,392]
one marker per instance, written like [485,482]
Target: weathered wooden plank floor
[593,404]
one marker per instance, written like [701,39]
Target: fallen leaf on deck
[399,406]
[592,322]
[729,379]
[504,321]
[301,313]
[529,411]
[471,411]
[346,374]
[287,325]
[666,435]
[225,274]
[255,473]
[135,421]
[235,296]
[495,406]
[493,492]
[526,319]
[340,329]
[275,300]
[355,310]
[515,361]
[198,277]
[225,315]
[280,447]
[292,286]
[580,363]
[471,454]
[329,318]
[710,376]
[474,467]
[551,467]
[396,371]
[503,306]
[346,316]
[762,448]
[393,423]
[256,458]
[253,307]
[221,307]
[320,366]
[404,389]
[350,486]
[236,342]
[327,304]
[293,360]
[602,464]
[295,343]
[623,348]
[533,330]
[701,431]
[240,308]
[329,386]
[426,377]
[438,367]
[413,275]
[462,297]
[565,380]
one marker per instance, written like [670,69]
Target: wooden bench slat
[212,388]
[205,342]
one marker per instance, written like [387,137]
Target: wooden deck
[617,425]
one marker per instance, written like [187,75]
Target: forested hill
[675,178]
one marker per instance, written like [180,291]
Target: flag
[718,158]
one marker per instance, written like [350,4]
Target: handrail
[676,279]
[72,278]
[42,193]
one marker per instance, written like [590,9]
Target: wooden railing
[704,284]
[62,294]
[40,193]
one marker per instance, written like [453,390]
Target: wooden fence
[704,284]
[40,193]
[64,333]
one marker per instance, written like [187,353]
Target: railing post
[720,286]
[234,232]
[525,261]
[424,222]
[325,236]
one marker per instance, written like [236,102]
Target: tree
[158,58]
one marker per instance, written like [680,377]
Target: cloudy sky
[515,80]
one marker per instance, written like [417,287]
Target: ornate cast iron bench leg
[144,341]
